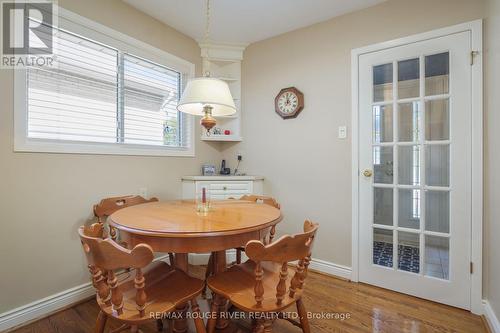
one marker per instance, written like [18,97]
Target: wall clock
[289,102]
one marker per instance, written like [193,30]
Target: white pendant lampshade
[207,91]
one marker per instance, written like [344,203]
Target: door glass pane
[409,208]
[437,120]
[437,263]
[437,211]
[409,121]
[382,83]
[382,123]
[437,165]
[409,252]
[382,206]
[409,165]
[382,247]
[437,74]
[408,78]
[383,165]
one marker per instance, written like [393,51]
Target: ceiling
[245,21]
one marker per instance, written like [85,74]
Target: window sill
[69,147]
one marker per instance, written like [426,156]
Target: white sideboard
[222,187]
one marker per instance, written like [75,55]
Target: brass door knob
[367,173]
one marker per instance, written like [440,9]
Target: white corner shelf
[224,62]
[222,138]
[228,79]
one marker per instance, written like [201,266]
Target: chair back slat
[287,248]
[116,294]
[284,250]
[281,288]
[262,199]
[259,286]
[110,205]
[106,256]
[267,201]
[140,297]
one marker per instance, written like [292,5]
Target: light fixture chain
[207,24]
[207,38]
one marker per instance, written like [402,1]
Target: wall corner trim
[491,317]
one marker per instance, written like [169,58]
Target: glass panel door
[418,134]
[414,209]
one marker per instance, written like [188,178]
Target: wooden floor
[370,309]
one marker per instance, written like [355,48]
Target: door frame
[476,29]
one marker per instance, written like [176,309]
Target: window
[103,98]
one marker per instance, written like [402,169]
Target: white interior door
[415,162]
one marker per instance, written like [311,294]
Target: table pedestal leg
[180,325]
[220,266]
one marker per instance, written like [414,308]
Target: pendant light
[206,96]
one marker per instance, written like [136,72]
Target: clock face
[289,102]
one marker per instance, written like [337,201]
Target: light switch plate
[342,132]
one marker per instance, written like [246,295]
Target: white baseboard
[44,306]
[316,264]
[491,317]
[331,268]
[48,305]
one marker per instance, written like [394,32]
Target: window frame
[89,29]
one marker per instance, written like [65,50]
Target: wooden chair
[267,239]
[108,206]
[155,290]
[260,284]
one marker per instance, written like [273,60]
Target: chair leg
[101,322]
[170,326]
[212,319]
[257,326]
[238,256]
[159,325]
[198,321]
[208,273]
[304,321]
[268,326]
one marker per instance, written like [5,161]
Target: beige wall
[492,156]
[306,167]
[45,197]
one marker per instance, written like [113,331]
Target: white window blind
[150,100]
[98,94]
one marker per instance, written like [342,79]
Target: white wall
[306,167]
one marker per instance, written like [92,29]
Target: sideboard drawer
[226,190]
[221,189]
[231,186]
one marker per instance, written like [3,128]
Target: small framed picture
[208,170]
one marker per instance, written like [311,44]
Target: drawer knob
[224,188]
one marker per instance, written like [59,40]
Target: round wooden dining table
[176,227]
